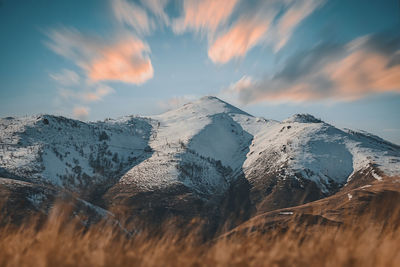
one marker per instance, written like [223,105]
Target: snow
[376,176]
[190,141]
[286,213]
[302,118]
[365,186]
[7,181]
[318,151]
[64,152]
[350,196]
[203,145]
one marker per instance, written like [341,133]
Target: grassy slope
[368,237]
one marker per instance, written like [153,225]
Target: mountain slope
[307,159]
[205,158]
[69,153]
[196,145]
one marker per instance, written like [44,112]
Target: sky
[90,60]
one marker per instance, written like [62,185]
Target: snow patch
[376,176]
[286,213]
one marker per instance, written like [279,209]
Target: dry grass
[64,242]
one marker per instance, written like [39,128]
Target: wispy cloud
[126,60]
[99,92]
[66,77]
[157,8]
[176,102]
[137,17]
[91,93]
[260,22]
[81,112]
[235,43]
[203,16]
[365,66]
[132,15]
[295,13]
[77,91]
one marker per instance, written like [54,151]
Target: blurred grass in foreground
[62,241]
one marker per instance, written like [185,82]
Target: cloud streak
[141,18]
[66,77]
[295,14]
[74,91]
[204,16]
[126,60]
[157,8]
[237,41]
[81,112]
[365,66]
[132,15]
[260,22]
[91,93]
[176,102]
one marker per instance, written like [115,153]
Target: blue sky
[336,59]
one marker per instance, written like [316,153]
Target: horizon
[336,60]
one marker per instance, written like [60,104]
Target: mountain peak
[303,118]
[210,98]
[214,102]
[206,106]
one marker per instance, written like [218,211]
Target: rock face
[207,158]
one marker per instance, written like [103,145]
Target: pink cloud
[352,72]
[126,60]
[261,24]
[81,112]
[122,62]
[363,72]
[96,95]
[235,43]
[204,15]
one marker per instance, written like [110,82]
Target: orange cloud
[97,94]
[249,90]
[204,15]
[261,24]
[81,112]
[351,72]
[235,43]
[123,62]
[364,72]
[294,93]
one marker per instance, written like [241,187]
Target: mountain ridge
[205,153]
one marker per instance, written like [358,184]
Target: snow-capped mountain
[68,153]
[206,150]
[201,145]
